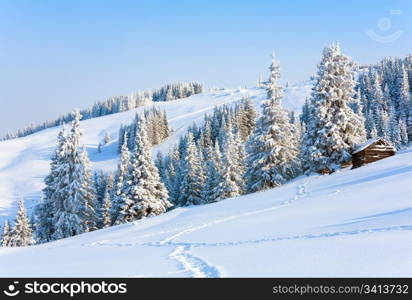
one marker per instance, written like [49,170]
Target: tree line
[115,105]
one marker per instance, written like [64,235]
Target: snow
[351,223]
[24,162]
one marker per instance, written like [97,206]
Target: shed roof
[370,142]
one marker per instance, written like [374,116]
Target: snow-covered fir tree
[403,129]
[370,126]
[394,128]
[247,120]
[74,198]
[169,95]
[206,139]
[401,92]
[409,120]
[403,99]
[6,235]
[211,188]
[232,167]
[45,209]
[373,122]
[172,174]
[146,196]
[103,185]
[160,165]
[121,185]
[356,104]
[272,149]
[334,130]
[100,182]
[192,175]
[105,218]
[22,234]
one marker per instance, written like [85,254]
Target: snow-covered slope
[24,162]
[352,223]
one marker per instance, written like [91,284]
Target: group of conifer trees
[157,128]
[232,153]
[21,234]
[74,201]
[384,93]
[208,162]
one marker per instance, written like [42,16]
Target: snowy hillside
[24,162]
[352,223]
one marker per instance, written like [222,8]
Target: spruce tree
[370,126]
[159,163]
[206,139]
[403,130]
[272,152]
[121,185]
[173,175]
[106,220]
[100,182]
[211,189]
[164,125]
[409,120]
[6,235]
[394,128]
[102,189]
[190,189]
[22,234]
[74,197]
[232,169]
[247,120]
[400,93]
[147,195]
[44,211]
[334,129]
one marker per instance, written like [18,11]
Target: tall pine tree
[22,234]
[272,149]
[147,195]
[192,174]
[334,130]
[6,235]
[45,209]
[74,197]
[120,186]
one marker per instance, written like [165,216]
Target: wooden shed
[372,150]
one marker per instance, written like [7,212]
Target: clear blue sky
[61,54]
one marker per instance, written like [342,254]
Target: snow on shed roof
[370,142]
